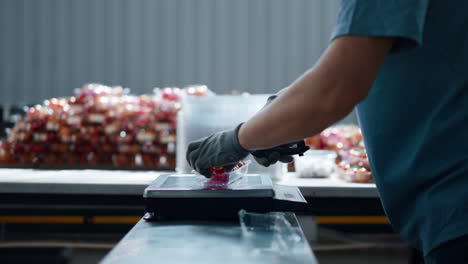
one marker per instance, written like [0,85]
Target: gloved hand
[220,149]
[283,153]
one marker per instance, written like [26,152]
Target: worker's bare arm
[323,95]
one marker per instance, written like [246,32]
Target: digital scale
[181,196]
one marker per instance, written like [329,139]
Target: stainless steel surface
[203,242]
[135,182]
[104,182]
[189,186]
[331,187]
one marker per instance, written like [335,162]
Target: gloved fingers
[270,99]
[205,172]
[273,157]
[202,168]
[262,161]
[229,167]
[202,162]
[286,158]
[192,158]
[193,145]
[190,149]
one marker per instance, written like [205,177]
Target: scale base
[180,196]
[205,208]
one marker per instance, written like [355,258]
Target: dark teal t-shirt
[415,118]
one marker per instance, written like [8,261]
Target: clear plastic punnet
[315,164]
[203,116]
[270,233]
[221,179]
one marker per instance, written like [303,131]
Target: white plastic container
[315,164]
[203,116]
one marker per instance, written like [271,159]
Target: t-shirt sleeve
[403,19]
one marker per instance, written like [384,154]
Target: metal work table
[93,197]
[108,182]
[204,242]
[85,182]
[113,192]
[330,187]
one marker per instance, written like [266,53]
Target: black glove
[221,149]
[283,153]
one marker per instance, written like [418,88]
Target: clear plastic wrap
[341,137]
[356,156]
[221,179]
[347,141]
[353,173]
[270,233]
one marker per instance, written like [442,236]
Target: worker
[404,64]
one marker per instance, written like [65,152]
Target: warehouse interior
[58,205]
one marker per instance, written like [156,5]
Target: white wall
[49,47]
